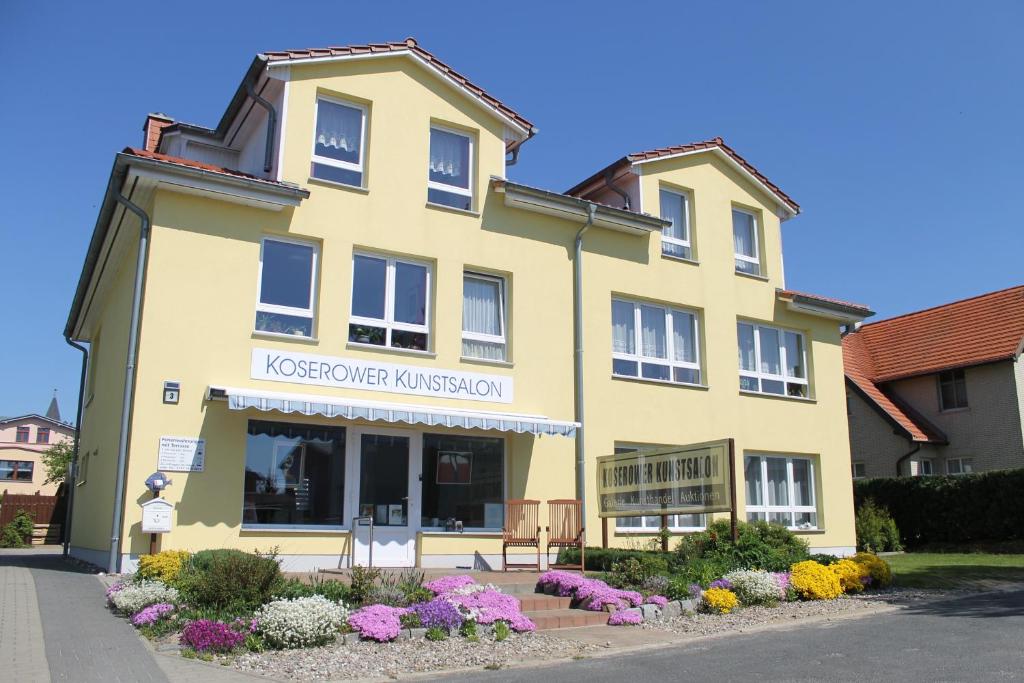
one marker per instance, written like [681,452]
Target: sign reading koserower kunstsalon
[665,481]
[348,373]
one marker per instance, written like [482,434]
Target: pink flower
[659,600]
[624,617]
[446,584]
[377,622]
[594,592]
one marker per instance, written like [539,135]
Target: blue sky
[896,126]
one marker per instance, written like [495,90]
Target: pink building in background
[23,440]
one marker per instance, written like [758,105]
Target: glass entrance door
[381,481]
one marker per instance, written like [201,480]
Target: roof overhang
[823,308]
[534,199]
[144,176]
[280,70]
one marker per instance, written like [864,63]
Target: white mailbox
[156,516]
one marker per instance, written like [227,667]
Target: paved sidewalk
[21,631]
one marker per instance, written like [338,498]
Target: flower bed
[591,594]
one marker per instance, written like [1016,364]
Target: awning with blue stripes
[378,411]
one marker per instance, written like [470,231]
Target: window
[860,470]
[21,436]
[952,390]
[451,169]
[925,467]
[781,490]
[675,239]
[772,360]
[744,238]
[959,465]
[655,342]
[42,435]
[16,470]
[483,317]
[464,478]
[652,523]
[390,302]
[338,142]
[287,286]
[294,474]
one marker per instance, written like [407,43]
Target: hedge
[951,509]
[602,559]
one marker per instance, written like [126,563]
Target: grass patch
[954,570]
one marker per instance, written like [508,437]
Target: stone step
[547,620]
[538,602]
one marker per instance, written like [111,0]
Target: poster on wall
[454,467]
[181,454]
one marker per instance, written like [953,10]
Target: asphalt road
[978,638]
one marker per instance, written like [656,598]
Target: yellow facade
[199,308]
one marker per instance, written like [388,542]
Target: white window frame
[289,310]
[791,509]
[388,323]
[853,467]
[921,465]
[338,163]
[756,258]
[671,362]
[783,362]
[961,460]
[454,189]
[686,223]
[488,338]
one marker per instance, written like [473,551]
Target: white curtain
[338,127]
[778,484]
[752,471]
[683,335]
[795,355]
[623,333]
[771,363]
[652,331]
[449,156]
[802,482]
[743,233]
[673,208]
[481,314]
[746,343]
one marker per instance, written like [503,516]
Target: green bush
[602,559]
[823,558]
[961,509]
[760,545]
[633,572]
[363,581]
[17,532]
[228,579]
[876,529]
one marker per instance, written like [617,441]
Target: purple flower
[624,617]
[116,588]
[659,600]
[721,583]
[446,584]
[782,578]
[696,592]
[377,622]
[152,614]
[866,580]
[439,612]
[490,605]
[204,635]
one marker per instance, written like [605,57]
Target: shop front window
[294,475]
[463,479]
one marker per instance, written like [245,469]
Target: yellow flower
[815,581]
[875,567]
[849,572]
[720,600]
[164,566]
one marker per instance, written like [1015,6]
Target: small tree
[56,460]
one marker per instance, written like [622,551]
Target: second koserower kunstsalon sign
[349,373]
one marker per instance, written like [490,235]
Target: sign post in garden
[685,480]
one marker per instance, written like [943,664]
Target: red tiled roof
[979,330]
[859,370]
[192,163]
[713,143]
[411,46]
[826,301]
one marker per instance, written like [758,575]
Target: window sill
[340,186]
[433,532]
[486,361]
[680,259]
[812,532]
[390,349]
[280,336]
[452,209]
[661,382]
[655,532]
[759,278]
[333,530]
[949,411]
[761,394]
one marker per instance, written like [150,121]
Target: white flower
[135,596]
[755,587]
[301,622]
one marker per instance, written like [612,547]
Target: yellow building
[351,311]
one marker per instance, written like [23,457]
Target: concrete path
[55,626]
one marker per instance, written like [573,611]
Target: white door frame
[392,546]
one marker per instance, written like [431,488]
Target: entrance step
[538,602]
[547,620]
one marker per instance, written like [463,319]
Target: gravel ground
[380,660]
[746,617]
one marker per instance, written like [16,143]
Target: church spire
[53,412]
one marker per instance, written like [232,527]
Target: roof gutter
[268,152]
[72,474]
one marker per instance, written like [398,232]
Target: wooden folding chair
[566,530]
[521,530]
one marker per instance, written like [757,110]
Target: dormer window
[338,141]
[675,239]
[451,169]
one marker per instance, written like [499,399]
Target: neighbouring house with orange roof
[23,440]
[939,391]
